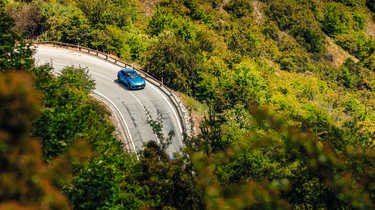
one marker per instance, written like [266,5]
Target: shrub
[174,61]
[164,21]
[239,8]
[109,12]
[339,19]
[300,22]
[352,3]
[369,62]
[311,38]
[28,19]
[360,20]
[197,12]
[246,86]
[138,45]
[67,24]
[357,44]
[348,79]
[293,57]
[282,12]
[160,21]
[68,110]
[246,42]
[15,53]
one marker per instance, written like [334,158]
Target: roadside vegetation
[285,126]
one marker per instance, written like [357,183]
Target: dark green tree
[284,168]
[168,181]
[25,181]
[15,52]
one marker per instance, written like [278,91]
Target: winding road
[130,105]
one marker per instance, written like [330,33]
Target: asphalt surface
[132,104]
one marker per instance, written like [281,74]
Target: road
[131,104]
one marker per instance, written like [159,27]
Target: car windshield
[132,75]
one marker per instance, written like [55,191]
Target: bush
[369,62]
[282,12]
[239,8]
[293,57]
[68,110]
[25,180]
[311,38]
[339,19]
[349,80]
[165,21]
[246,86]
[197,13]
[160,21]
[301,23]
[109,12]
[352,3]
[246,42]
[357,44]
[15,53]
[174,61]
[68,25]
[28,19]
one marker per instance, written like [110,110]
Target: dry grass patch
[338,54]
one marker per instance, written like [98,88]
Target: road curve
[131,105]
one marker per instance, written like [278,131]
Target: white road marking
[122,118]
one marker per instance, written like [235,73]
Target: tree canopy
[286,88]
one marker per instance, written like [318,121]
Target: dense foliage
[24,179]
[15,53]
[290,85]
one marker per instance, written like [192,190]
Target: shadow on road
[124,86]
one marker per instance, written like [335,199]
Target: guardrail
[183,113]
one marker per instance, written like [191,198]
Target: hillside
[289,86]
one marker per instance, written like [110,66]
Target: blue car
[131,79]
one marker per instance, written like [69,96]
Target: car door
[121,77]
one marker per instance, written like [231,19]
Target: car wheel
[128,86]
[118,78]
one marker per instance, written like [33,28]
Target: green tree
[67,24]
[15,52]
[300,172]
[174,62]
[339,19]
[169,181]
[68,110]
[239,8]
[107,182]
[300,21]
[109,12]
[24,179]
[28,19]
